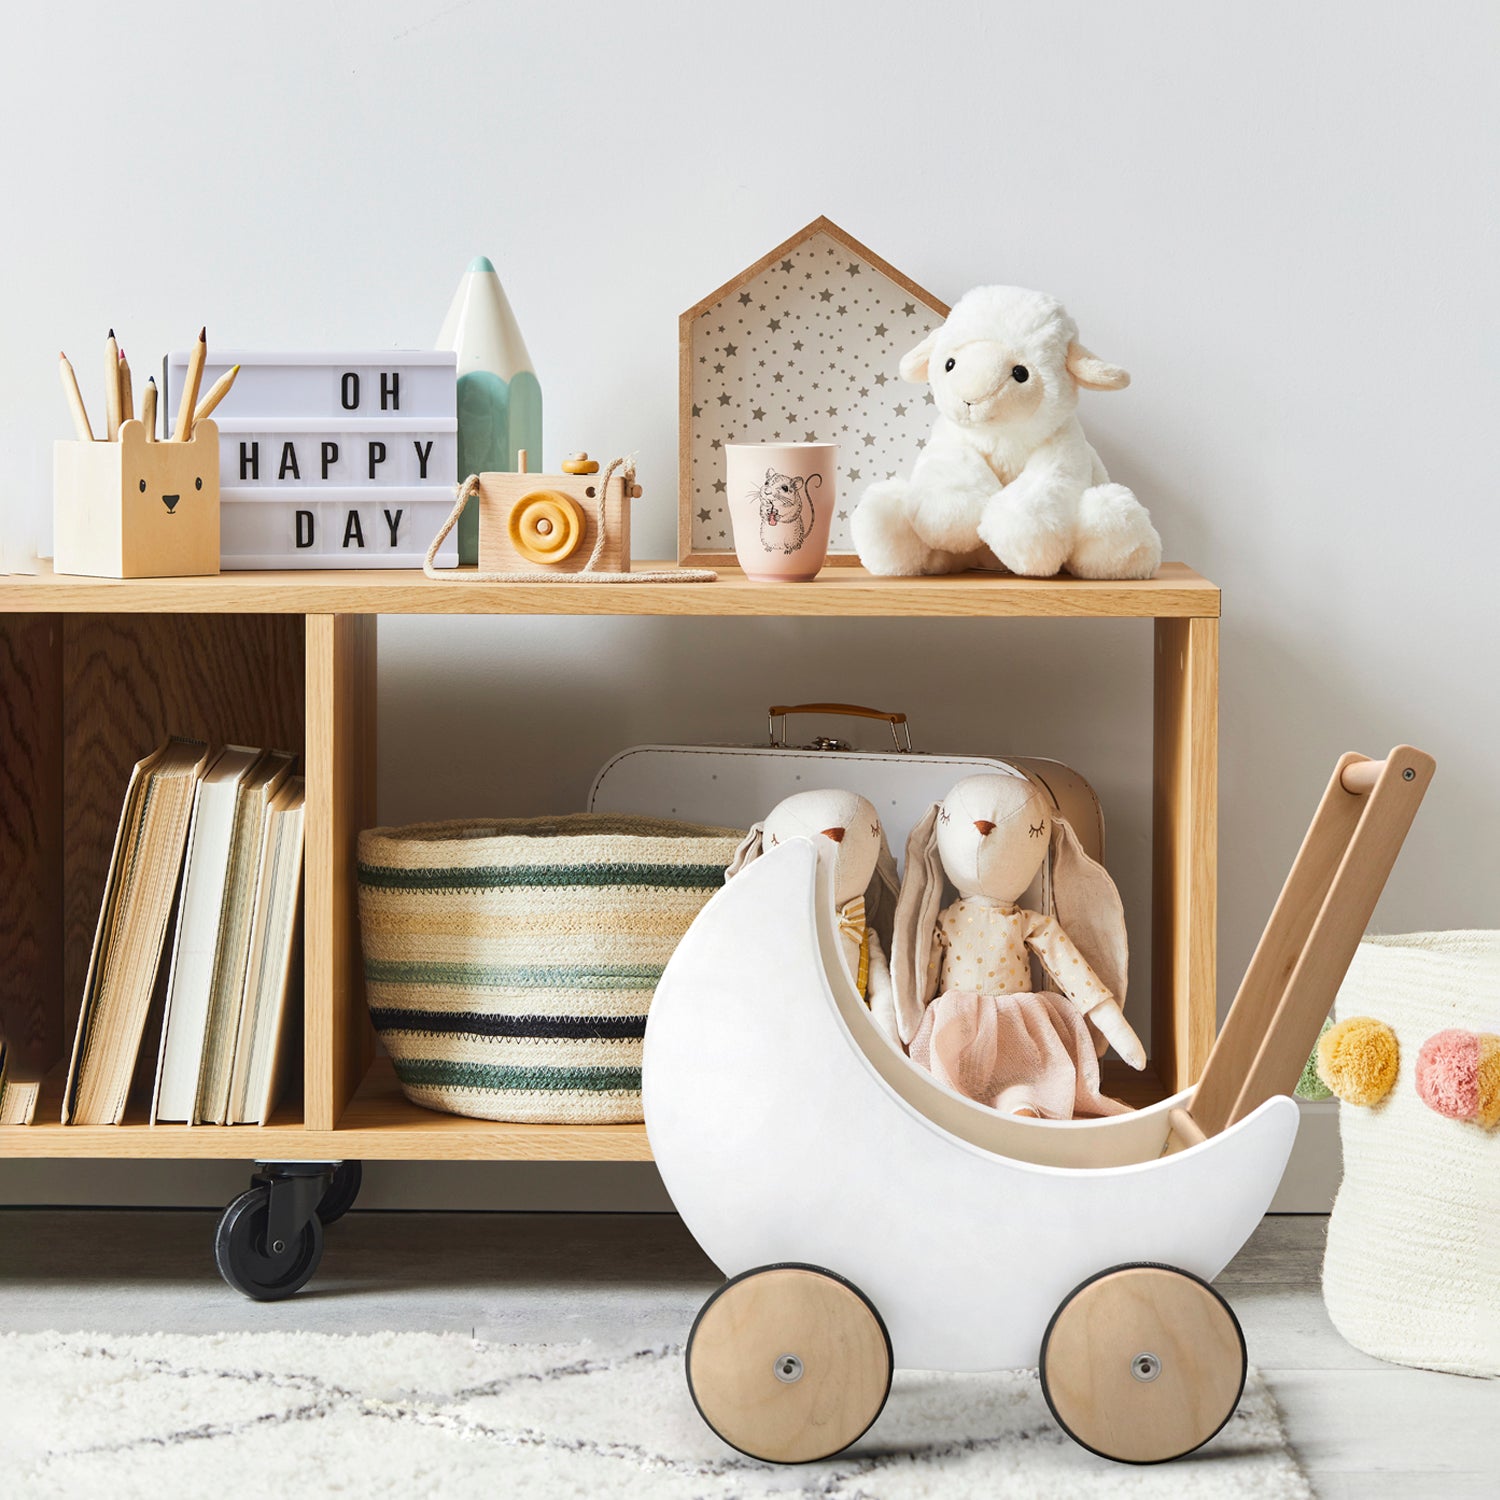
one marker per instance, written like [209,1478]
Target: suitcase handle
[776,717]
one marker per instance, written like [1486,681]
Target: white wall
[1280,217]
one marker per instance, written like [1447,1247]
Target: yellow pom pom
[1358,1060]
[1488,1113]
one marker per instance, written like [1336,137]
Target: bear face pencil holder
[136,508]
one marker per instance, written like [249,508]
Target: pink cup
[781,501]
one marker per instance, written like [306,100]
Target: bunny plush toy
[965,1005]
[845,830]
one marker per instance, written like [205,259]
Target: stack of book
[17,1099]
[218,837]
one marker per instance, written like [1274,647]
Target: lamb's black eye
[143,486]
[950,364]
[1020,374]
[198,483]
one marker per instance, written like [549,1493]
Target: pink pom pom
[1448,1074]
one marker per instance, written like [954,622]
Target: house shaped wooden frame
[801,346]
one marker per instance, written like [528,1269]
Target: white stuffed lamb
[1007,476]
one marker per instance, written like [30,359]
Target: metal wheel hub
[787,1369]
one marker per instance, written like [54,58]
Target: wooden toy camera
[550,522]
[134,508]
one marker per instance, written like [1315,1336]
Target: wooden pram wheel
[1143,1363]
[789,1363]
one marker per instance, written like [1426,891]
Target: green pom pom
[1309,1085]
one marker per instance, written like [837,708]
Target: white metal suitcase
[737,785]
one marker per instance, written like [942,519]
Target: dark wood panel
[31,841]
[131,680]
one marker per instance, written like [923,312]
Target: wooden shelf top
[1176,591]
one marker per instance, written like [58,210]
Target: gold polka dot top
[985,948]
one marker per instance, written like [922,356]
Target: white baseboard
[1312,1175]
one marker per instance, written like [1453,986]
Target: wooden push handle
[1360,776]
[1310,940]
[777,712]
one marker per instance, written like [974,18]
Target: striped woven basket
[509,965]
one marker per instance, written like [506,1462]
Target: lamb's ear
[1094,373]
[914,361]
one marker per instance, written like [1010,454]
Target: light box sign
[332,460]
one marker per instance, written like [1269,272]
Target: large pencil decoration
[499,397]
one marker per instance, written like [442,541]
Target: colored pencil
[127,390]
[193,379]
[111,387]
[217,392]
[148,409]
[75,399]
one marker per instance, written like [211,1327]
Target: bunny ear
[1088,908]
[916,922]
[882,893]
[748,851]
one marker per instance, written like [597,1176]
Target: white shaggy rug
[162,1416]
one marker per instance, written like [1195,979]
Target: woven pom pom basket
[1412,1269]
[509,964]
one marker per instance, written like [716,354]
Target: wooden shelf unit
[94,672]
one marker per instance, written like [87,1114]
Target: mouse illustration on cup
[786,510]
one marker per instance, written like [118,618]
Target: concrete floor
[1361,1428]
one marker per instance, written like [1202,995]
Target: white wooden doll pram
[866,1217]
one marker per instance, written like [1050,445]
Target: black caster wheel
[264,1271]
[342,1192]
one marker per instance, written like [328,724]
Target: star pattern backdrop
[807,351]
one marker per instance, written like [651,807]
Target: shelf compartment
[92,694]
